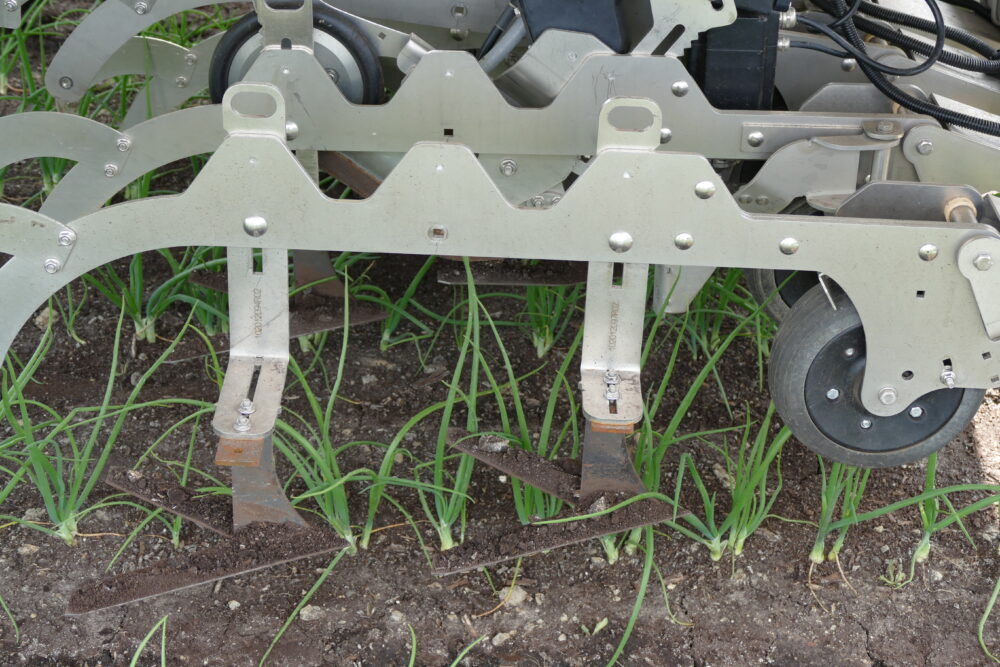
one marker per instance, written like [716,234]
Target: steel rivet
[866,424]
[67,237]
[746,200]
[52,265]
[508,167]
[620,242]
[684,241]
[928,252]
[65,82]
[111,170]
[983,262]
[255,226]
[848,64]
[887,395]
[705,189]
[291,130]
[916,412]
[680,88]
[833,394]
[789,246]
[925,147]
[666,135]
[140,8]
[763,200]
[755,139]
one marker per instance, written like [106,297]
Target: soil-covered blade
[255,547]
[212,512]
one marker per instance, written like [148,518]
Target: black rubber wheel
[332,23]
[817,365]
[786,286]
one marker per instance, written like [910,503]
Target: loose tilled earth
[759,608]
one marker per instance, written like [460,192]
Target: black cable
[910,21]
[861,55]
[501,25]
[878,79]
[817,46]
[848,16]
[982,10]
[988,65]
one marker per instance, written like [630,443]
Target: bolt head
[866,423]
[916,412]
[333,74]
[983,262]
[191,58]
[508,168]
[848,64]
[850,352]
[67,238]
[52,265]
[789,246]
[885,126]
[123,144]
[833,394]
[887,395]
[65,82]
[763,200]
[928,252]
[948,378]
[111,170]
[242,424]
[181,81]
[140,8]
[684,241]
[255,226]
[11,5]
[246,407]
[925,147]
[621,242]
[666,135]
[680,88]
[755,139]
[705,189]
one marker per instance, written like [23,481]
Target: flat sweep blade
[255,547]
[508,542]
[212,512]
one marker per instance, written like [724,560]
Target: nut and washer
[948,378]
[11,5]
[925,147]
[52,265]
[621,242]
[887,395]
[67,237]
[508,167]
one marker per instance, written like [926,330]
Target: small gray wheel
[817,366]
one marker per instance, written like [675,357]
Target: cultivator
[604,137]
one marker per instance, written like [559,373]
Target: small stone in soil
[233,605]
[501,638]
[27,549]
[311,613]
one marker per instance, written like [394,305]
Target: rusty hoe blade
[606,478]
[254,547]
[514,273]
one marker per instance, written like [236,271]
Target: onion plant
[844,485]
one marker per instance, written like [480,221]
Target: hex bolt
[789,246]
[925,147]
[833,393]
[983,262]
[246,407]
[111,170]
[621,242]
[928,252]
[611,377]
[52,265]
[684,241]
[67,237]
[916,412]
[255,226]
[866,423]
[508,167]
[666,135]
[11,5]
[123,144]
[887,395]
[756,139]
[680,88]
[65,82]
[242,424]
[948,377]
[140,8]
[705,190]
